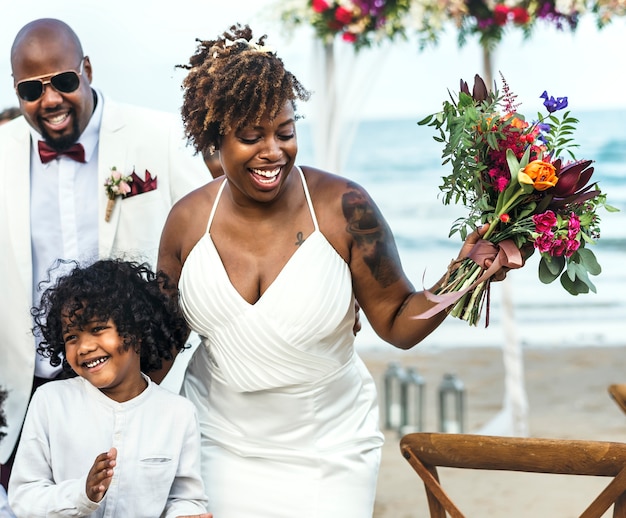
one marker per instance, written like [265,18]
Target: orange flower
[541,175]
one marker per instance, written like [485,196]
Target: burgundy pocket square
[139,186]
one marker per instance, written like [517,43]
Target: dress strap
[308,198]
[217,199]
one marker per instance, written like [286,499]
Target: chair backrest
[426,451]
[618,394]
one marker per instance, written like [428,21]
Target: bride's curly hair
[234,82]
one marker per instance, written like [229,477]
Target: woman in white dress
[269,260]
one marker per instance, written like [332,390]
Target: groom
[54,162]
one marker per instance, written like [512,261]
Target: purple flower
[544,129]
[553,104]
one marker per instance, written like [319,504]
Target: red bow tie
[47,154]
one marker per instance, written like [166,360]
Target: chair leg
[438,500]
[619,510]
[611,494]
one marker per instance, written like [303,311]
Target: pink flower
[573,226]
[349,37]
[559,247]
[544,222]
[124,188]
[319,6]
[499,178]
[571,247]
[544,242]
[116,175]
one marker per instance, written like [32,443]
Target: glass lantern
[412,402]
[451,404]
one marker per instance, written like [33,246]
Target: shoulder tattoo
[371,235]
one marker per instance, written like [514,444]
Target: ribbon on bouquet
[506,254]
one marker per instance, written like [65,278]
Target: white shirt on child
[70,422]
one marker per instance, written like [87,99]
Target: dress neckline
[297,252]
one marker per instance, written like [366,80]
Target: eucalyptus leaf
[574,287]
[588,259]
[547,273]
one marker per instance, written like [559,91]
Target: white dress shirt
[70,422]
[64,213]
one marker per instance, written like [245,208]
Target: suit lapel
[112,151]
[17,200]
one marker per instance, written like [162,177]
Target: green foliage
[560,137]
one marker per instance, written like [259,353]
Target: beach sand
[567,398]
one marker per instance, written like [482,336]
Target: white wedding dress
[288,411]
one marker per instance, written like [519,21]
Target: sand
[567,398]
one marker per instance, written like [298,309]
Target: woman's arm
[386,295]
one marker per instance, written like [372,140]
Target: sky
[134,46]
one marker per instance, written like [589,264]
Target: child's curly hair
[232,83]
[128,293]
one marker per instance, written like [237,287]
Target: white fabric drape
[343,80]
[512,420]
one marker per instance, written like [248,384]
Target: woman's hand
[473,238]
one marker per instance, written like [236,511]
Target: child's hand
[100,475]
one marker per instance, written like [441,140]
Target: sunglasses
[66,82]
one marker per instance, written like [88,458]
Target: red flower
[500,14]
[343,15]
[349,37]
[505,218]
[520,15]
[319,6]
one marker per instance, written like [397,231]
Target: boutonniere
[115,185]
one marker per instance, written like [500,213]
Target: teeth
[58,119]
[267,174]
[93,363]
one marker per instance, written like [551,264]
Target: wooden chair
[618,394]
[426,451]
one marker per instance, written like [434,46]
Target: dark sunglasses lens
[30,90]
[66,82]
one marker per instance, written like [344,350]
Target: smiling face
[257,159]
[42,51]
[96,352]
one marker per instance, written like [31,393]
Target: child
[108,442]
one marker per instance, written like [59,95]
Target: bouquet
[523,179]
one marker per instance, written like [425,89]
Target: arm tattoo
[371,235]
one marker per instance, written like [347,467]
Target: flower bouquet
[513,174]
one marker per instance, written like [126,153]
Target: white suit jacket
[130,137]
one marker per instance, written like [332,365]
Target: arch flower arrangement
[361,23]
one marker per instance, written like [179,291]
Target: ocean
[399,163]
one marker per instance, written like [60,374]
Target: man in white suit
[53,205]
